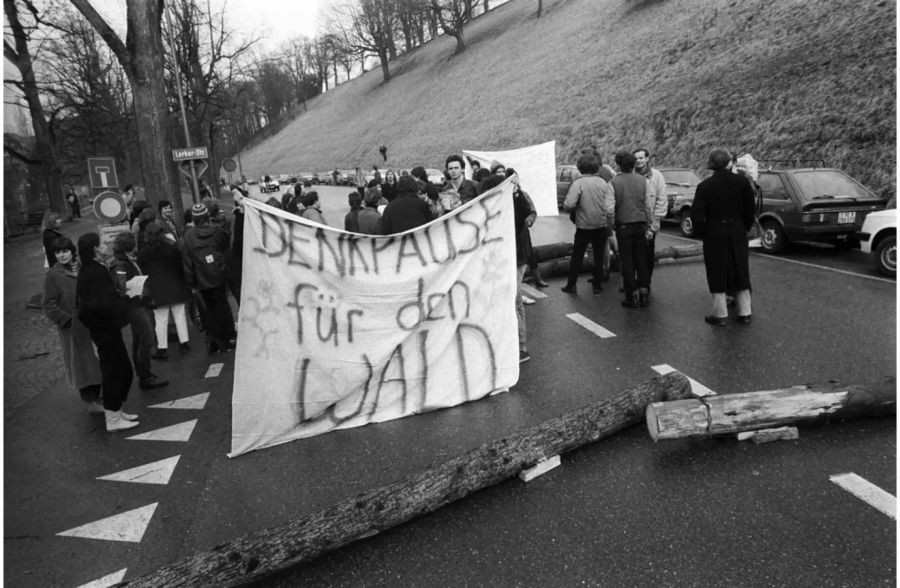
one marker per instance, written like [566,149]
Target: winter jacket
[633,199]
[165,271]
[99,303]
[204,257]
[407,211]
[593,201]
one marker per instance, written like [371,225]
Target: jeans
[596,238]
[115,367]
[633,256]
[142,338]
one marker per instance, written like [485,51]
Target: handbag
[197,310]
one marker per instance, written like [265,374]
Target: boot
[94,408]
[631,300]
[644,298]
[128,416]
[115,421]
[538,280]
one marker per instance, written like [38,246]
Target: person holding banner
[592,200]
[457,183]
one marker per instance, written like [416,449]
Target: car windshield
[823,184]
[681,176]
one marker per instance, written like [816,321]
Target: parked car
[306,176]
[270,185]
[820,204]
[565,175]
[435,176]
[878,237]
[681,184]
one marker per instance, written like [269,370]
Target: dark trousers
[115,367]
[596,238]
[75,210]
[633,256]
[142,340]
[651,258]
[218,320]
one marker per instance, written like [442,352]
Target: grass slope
[778,79]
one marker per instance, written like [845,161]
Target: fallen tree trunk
[257,555]
[554,258]
[692,250]
[732,413]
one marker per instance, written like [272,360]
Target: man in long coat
[723,213]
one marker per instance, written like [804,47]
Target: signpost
[229,165]
[187,158]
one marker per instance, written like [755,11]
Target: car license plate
[846,217]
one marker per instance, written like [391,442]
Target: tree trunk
[460,40]
[255,556]
[733,413]
[51,175]
[540,8]
[385,65]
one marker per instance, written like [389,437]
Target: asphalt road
[624,511]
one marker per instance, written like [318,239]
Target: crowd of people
[150,271]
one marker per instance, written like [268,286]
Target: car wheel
[773,239]
[687,225]
[885,257]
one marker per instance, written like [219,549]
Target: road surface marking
[179,432]
[830,269]
[196,402]
[214,370]
[126,526]
[105,581]
[697,389]
[533,292]
[590,325]
[157,472]
[867,492]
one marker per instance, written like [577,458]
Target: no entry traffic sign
[110,207]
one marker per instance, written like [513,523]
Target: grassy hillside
[778,79]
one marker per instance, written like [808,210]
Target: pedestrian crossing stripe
[196,402]
[590,325]
[697,389]
[533,292]
[105,581]
[157,472]
[179,432]
[126,526]
[214,370]
[867,492]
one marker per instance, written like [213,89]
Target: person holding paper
[130,281]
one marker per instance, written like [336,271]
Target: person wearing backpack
[204,255]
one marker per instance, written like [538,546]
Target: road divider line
[590,325]
[867,492]
[533,292]
[830,269]
[214,370]
[697,389]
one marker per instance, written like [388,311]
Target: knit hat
[199,213]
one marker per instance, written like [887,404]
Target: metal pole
[195,196]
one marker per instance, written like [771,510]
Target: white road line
[867,492]
[590,325]
[106,581]
[126,526]
[214,370]
[697,389]
[533,292]
[830,269]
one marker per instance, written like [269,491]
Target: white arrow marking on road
[105,581]
[867,492]
[127,526]
[157,472]
[179,432]
[214,370]
[697,389]
[590,325]
[195,402]
[533,292]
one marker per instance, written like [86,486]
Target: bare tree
[368,26]
[453,15]
[141,57]
[16,49]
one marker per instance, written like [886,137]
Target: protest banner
[536,166]
[339,330]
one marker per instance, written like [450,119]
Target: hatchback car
[681,184]
[822,205]
[565,175]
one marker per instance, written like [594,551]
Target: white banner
[338,330]
[536,166]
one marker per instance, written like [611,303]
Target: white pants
[161,314]
[742,301]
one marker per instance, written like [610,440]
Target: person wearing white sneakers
[104,311]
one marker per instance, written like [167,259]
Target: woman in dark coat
[722,214]
[160,259]
[79,360]
[104,312]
